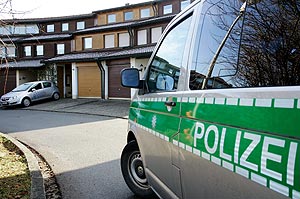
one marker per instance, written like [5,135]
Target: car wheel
[55,96]
[133,171]
[26,102]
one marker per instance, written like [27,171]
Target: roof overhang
[22,64]
[145,51]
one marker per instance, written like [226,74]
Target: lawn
[14,173]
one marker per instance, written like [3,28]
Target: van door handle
[170,103]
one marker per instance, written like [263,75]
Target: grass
[15,180]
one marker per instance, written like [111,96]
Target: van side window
[164,70]
[216,18]
[263,49]
[270,48]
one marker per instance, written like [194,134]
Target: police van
[217,113]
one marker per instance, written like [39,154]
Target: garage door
[115,90]
[89,80]
[7,82]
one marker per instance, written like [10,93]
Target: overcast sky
[56,8]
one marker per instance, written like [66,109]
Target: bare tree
[6,11]
[270,46]
[263,49]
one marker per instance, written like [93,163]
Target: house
[84,54]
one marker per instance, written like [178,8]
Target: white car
[30,92]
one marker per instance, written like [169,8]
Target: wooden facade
[114,81]
[97,75]
[7,80]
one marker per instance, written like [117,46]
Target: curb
[37,181]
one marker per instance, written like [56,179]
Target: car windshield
[22,87]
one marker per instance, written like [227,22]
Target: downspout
[131,36]
[74,81]
[104,65]
[102,79]
[155,9]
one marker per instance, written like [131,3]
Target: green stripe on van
[236,134]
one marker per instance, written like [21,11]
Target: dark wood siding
[175,6]
[114,79]
[60,80]
[49,48]
[7,80]
[89,22]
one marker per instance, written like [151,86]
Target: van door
[157,111]
[239,133]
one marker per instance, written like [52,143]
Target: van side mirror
[130,78]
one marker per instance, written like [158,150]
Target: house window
[50,28]
[123,39]
[21,29]
[60,49]
[142,37]
[32,29]
[155,34]
[88,43]
[8,51]
[80,25]
[168,9]
[27,51]
[11,51]
[111,18]
[128,16]
[184,4]
[145,12]
[109,41]
[39,50]
[65,27]
[6,30]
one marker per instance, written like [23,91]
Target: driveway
[82,149]
[111,108]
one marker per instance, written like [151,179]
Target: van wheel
[55,96]
[133,171]
[26,102]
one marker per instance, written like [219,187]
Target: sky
[57,8]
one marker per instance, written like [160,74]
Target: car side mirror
[32,90]
[130,78]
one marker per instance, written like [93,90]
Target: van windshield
[22,87]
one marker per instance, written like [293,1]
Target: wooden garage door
[10,80]
[115,90]
[89,80]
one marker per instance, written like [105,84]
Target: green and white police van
[217,113]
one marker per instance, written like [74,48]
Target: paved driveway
[82,149]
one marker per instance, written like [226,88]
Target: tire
[55,96]
[26,102]
[133,171]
